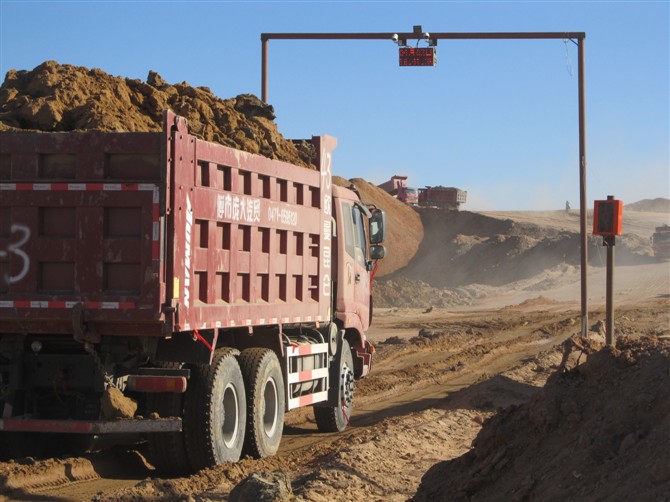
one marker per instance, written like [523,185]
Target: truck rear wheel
[336,418]
[264,384]
[215,412]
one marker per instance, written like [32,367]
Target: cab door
[353,291]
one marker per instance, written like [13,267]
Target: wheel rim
[271,407]
[230,416]
[347,386]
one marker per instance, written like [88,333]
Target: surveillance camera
[426,36]
[395,38]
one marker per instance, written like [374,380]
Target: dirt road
[452,353]
[437,377]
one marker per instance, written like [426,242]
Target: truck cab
[357,247]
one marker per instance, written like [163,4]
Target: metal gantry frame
[432,38]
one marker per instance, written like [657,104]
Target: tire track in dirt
[425,372]
[450,356]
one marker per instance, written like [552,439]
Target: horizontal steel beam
[433,35]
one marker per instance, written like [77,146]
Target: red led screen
[418,56]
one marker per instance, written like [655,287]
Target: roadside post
[607,222]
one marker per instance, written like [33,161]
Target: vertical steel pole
[582,186]
[264,71]
[609,241]
[609,293]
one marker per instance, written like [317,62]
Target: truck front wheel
[336,418]
[264,384]
[215,411]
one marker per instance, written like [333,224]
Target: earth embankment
[466,254]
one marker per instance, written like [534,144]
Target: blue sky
[496,118]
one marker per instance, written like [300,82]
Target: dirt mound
[404,228]
[577,439]
[57,98]
[658,205]
[466,249]
[406,293]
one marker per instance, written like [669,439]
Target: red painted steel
[80,224]
[251,229]
[442,196]
[607,217]
[154,233]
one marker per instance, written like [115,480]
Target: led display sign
[418,56]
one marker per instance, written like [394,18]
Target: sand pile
[576,439]
[468,249]
[404,228]
[58,98]
[658,205]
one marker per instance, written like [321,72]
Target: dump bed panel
[252,237]
[153,233]
[442,195]
[79,224]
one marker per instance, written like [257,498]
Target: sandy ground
[438,376]
[425,404]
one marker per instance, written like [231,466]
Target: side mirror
[377,252]
[377,227]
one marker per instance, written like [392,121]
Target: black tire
[264,384]
[167,451]
[215,412]
[336,418]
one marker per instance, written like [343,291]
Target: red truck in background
[660,242]
[442,197]
[397,186]
[215,288]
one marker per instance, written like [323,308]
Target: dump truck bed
[153,233]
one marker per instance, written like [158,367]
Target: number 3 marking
[16,249]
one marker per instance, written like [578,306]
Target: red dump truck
[397,186]
[442,197]
[213,288]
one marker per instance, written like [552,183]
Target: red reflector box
[607,217]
